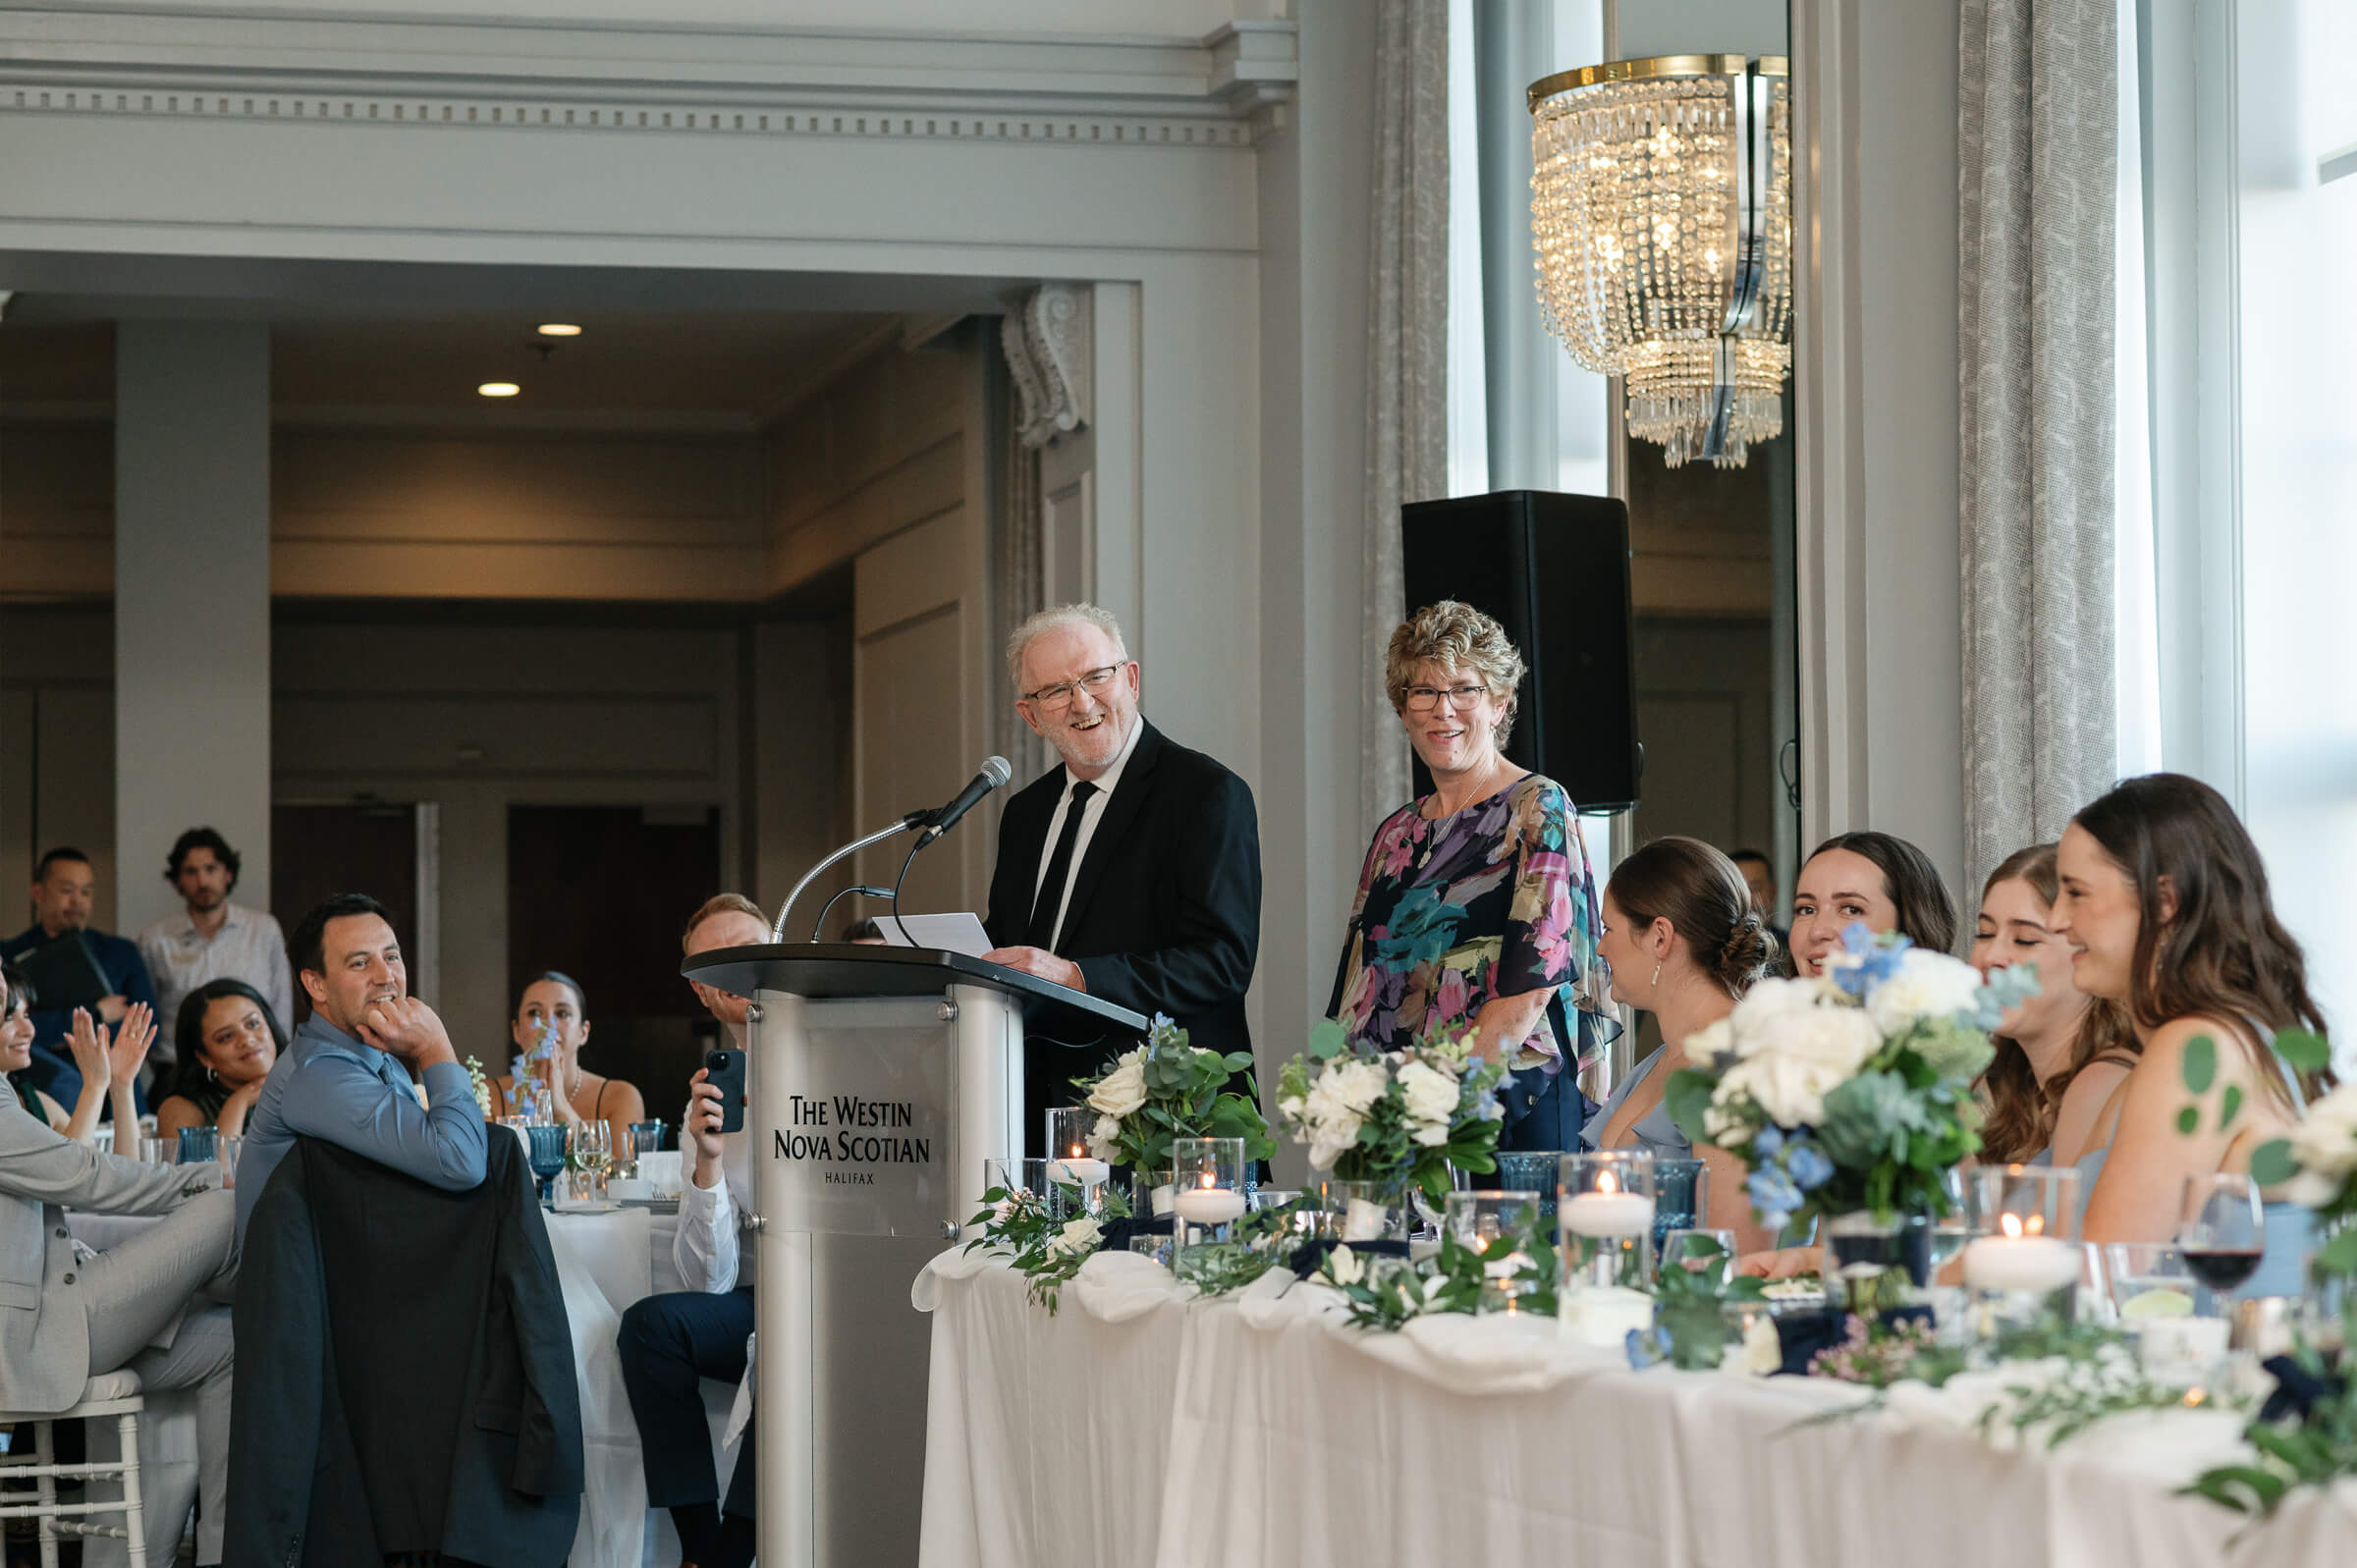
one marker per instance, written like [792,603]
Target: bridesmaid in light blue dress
[2163,900]
[1684,943]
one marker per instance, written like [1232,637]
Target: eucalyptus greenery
[1383,1293]
[1257,1242]
[1689,1304]
[1167,1088]
[1046,1247]
[1400,1119]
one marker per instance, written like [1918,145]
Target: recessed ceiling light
[499,389]
[560,329]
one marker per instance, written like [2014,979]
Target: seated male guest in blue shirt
[65,888]
[345,1076]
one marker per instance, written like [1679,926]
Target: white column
[192,602]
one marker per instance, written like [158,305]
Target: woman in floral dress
[1476,904]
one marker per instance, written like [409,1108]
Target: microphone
[995,773]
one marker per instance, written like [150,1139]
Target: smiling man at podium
[1132,872]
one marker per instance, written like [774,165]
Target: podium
[878,1079]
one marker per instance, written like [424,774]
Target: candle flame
[2010,1224]
[1606,1183]
[1208,1180]
[2037,1223]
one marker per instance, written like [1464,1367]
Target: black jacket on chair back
[405,1381]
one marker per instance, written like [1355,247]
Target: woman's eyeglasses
[1423,699]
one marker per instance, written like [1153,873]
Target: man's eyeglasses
[1423,699]
[1058,697]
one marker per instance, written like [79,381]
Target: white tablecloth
[1279,1435]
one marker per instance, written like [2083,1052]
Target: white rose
[1329,1139]
[1079,1236]
[1358,1085]
[1430,1095]
[1799,1058]
[1102,1138]
[2325,1142]
[1723,1126]
[1711,1041]
[1770,1001]
[1121,1091]
[1928,985]
[1343,1267]
[1289,1108]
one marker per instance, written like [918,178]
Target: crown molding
[1218,92]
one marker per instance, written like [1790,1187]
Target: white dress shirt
[249,947]
[706,1250]
[1090,815]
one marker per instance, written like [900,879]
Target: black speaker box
[1553,570]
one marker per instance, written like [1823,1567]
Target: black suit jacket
[1164,911]
[439,1413]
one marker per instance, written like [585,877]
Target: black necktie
[1059,870]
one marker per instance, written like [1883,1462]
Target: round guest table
[1137,1426]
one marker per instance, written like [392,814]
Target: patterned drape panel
[1408,345]
[2037,152]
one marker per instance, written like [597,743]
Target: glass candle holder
[2022,1269]
[1072,1162]
[1207,1190]
[1361,1210]
[1604,1235]
[1497,1225]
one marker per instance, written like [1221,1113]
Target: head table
[1137,1426]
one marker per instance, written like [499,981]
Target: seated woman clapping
[109,1060]
[553,1009]
[147,1303]
[1684,943]
[2164,904]
[2059,1053]
[228,1040]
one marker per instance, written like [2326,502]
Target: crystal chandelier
[1661,207]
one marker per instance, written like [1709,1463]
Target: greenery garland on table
[1045,1235]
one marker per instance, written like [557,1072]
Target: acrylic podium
[878,1079]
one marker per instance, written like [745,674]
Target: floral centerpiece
[1396,1118]
[1166,1089]
[1045,1236]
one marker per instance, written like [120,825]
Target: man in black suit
[1132,872]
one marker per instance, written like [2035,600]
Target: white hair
[1046,621]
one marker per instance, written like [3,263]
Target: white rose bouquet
[1851,1092]
[1167,1088]
[1398,1118]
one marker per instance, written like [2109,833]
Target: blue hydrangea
[1647,1346]
[1772,1195]
[1767,1140]
[1876,958]
[1807,1166]
[2004,990]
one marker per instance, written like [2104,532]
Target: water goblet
[593,1157]
[548,1155]
[198,1143]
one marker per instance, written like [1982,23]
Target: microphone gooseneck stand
[912,821]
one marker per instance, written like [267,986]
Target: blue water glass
[1681,1198]
[548,1156]
[197,1144]
[1528,1170]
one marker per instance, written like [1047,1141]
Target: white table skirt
[1278,1435]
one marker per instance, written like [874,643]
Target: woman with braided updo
[1685,944]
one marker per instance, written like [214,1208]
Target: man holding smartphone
[670,1343]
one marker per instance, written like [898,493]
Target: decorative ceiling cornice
[1218,92]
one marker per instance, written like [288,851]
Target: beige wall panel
[927,484]
[368,660]
[73,782]
[909,691]
[909,574]
[17,805]
[433,570]
[413,736]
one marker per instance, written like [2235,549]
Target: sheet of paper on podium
[958,932]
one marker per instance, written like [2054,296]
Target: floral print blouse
[1495,901]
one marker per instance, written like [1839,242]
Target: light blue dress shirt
[329,1085]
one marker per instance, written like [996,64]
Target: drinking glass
[645,1138]
[1952,1230]
[229,1150]
[155,1151]
[1711,1252]
[548,1155]
[2223,1233]
[1682,1192]
[198,1143]
[1531,1170]
[1493,1223]
[593,1157]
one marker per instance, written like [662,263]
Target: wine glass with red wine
[2223,1233]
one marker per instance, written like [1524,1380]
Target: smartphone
[725,1071]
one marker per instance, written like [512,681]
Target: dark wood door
[600,893]
[316,851]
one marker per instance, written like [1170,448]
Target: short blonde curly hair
[1460,637]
